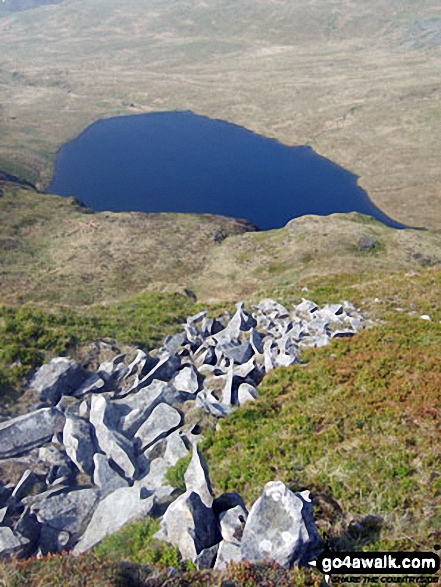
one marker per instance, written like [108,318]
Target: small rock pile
[95,451]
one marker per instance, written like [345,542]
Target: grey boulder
[29,431]
[112,443]
[280,527]
[59,377]
[117,509]
[79,444]
[232,523]
[245,393]
[189,525]
[228,552]
[162,421]
[105,477]
[68,512]
[187,380]
[11,543]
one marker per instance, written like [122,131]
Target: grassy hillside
[358,81]
[358,424]
[55,251]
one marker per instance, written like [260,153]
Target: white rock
[163,420]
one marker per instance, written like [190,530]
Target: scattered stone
[93,384]
[116,446]
[11,543]
[80,447]
[189,525]
[59,377]
[28,527]
[25,485]
[208,402]
[105,477]
[237,352]
[68,512]
[207,557]
[280,527]
[187,380]
[136,408]
[29,431]
[52,540]
[163,420]
[114,511]
[306,307]
[366,243]
[197,478]
[228,552]
[232,523]
[245,393]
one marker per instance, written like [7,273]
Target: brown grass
[357,81]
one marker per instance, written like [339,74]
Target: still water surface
[182,162]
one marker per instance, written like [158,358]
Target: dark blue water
[182,162]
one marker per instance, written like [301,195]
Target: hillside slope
[357,81]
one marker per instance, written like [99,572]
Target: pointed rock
[245,393]
[280,527]
[105,477]
[228,552]
[187,380]
[80,447]
[232,523]
[114,445]
[189,525]
[114,511]
[197,477]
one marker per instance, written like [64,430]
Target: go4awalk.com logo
[378,567]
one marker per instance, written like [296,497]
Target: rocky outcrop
[95,452]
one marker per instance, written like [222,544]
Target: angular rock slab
[187,380]
[197,478]
[137,408]
[280,527]
[112,443]
[189,525]
[228,552]
[59,377]
[105,477]
[11,543]
[68,512]
[245,393]
[232,523]
[80,447]
[162,421]
[114,511]
[29,431]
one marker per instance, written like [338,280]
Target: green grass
[135,543]
[30,335]
[358,425]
